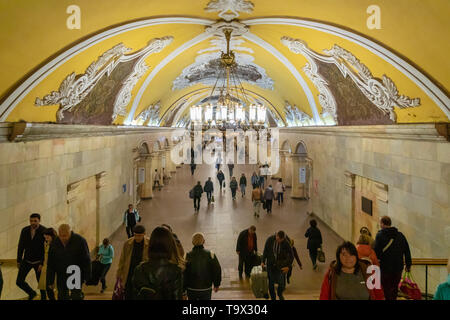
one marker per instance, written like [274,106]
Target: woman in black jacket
[314,241]
[159,278]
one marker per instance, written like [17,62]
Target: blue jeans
[278,277]
[243,189]
[208,196]
[233,193]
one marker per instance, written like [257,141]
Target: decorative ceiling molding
[37,77]
[149,115]
[229,9]
[75,88]
[384,95]
[296,117]
[421,80]
[217,29]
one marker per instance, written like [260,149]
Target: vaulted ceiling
[144,62]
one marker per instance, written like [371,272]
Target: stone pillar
[282,171]
[147,188]
[170,166]
[155,164]
[287,177]
[101,231]
[349,203]
[161,159]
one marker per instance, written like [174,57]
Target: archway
[301,172]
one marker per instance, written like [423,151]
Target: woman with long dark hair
[46,288]
[161,277]
[346,279]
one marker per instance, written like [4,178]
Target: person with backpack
[203,271]
[130,219]
[278,257]
[233,187]
[314,241]
[221,178]
[209,189]
[159,277]
[279,190]
[391,247]
[197,193]
[256,199]
[365,251]
[346,278]
[243,183]
[268,198]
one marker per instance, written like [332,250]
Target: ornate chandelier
[232,108]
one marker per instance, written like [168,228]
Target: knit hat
[198,239]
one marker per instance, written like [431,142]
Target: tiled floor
[221,224]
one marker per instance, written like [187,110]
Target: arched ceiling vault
[138,62]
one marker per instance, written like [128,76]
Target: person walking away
[209,189]
[156,178]
[256,199]
[366,231]
[279,190]
[442,291]
[268,198]
[230,169]
[203,271]
[193,167]
[365,251]
[135,251]
[233,187]
[68,249]
[46,290]
[159,277]
[391,247]
[297,258]
[198,190]
[180,249]
[221,178]
[106,255]
[130,219]
[243,184]
[246,248]
[254,180]
[30,254]
[347,276]
[314,241]
[278,257]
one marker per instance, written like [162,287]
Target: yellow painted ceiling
[34,32]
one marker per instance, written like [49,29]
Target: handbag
[119,292]
[320,255]
[212,198]
[409,287]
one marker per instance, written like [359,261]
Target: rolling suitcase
[259,282]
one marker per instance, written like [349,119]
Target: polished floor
[221,223]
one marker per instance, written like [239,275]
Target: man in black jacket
[202,271]
[246,248]
[69,250]
[390,247]
[209,189]
[30,253]
[278,257]
[198,190]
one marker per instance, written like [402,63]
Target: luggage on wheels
[259,282]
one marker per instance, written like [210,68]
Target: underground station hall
[224,150]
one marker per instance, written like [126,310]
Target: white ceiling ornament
[383,94]
[217,29]
[296,117]
[74,88]
[229,9]
[149,115]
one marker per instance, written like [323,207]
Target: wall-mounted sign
[302,175]
[141,175]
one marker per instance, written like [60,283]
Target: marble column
[147,188]
[161,164]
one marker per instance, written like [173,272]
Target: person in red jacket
[347,277]
[365,251]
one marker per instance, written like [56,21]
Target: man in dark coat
[314,241]
[202,271]
[278,257]
[67,250]
[198,190]
[30,253]
[391,247]
[246,248]
[221,178]
[209,189]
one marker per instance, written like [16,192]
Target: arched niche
[301,149]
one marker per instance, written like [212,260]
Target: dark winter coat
[242,243]
[158,280]
[220,176]
[268,194]
[314,238]
[202,269]
[198,190]
[209,187]
[243,181]
[285,257]
[391,260]
[31,249]
[233,184]
[76,252]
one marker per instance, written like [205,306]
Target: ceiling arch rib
[37,77]
[421,80]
